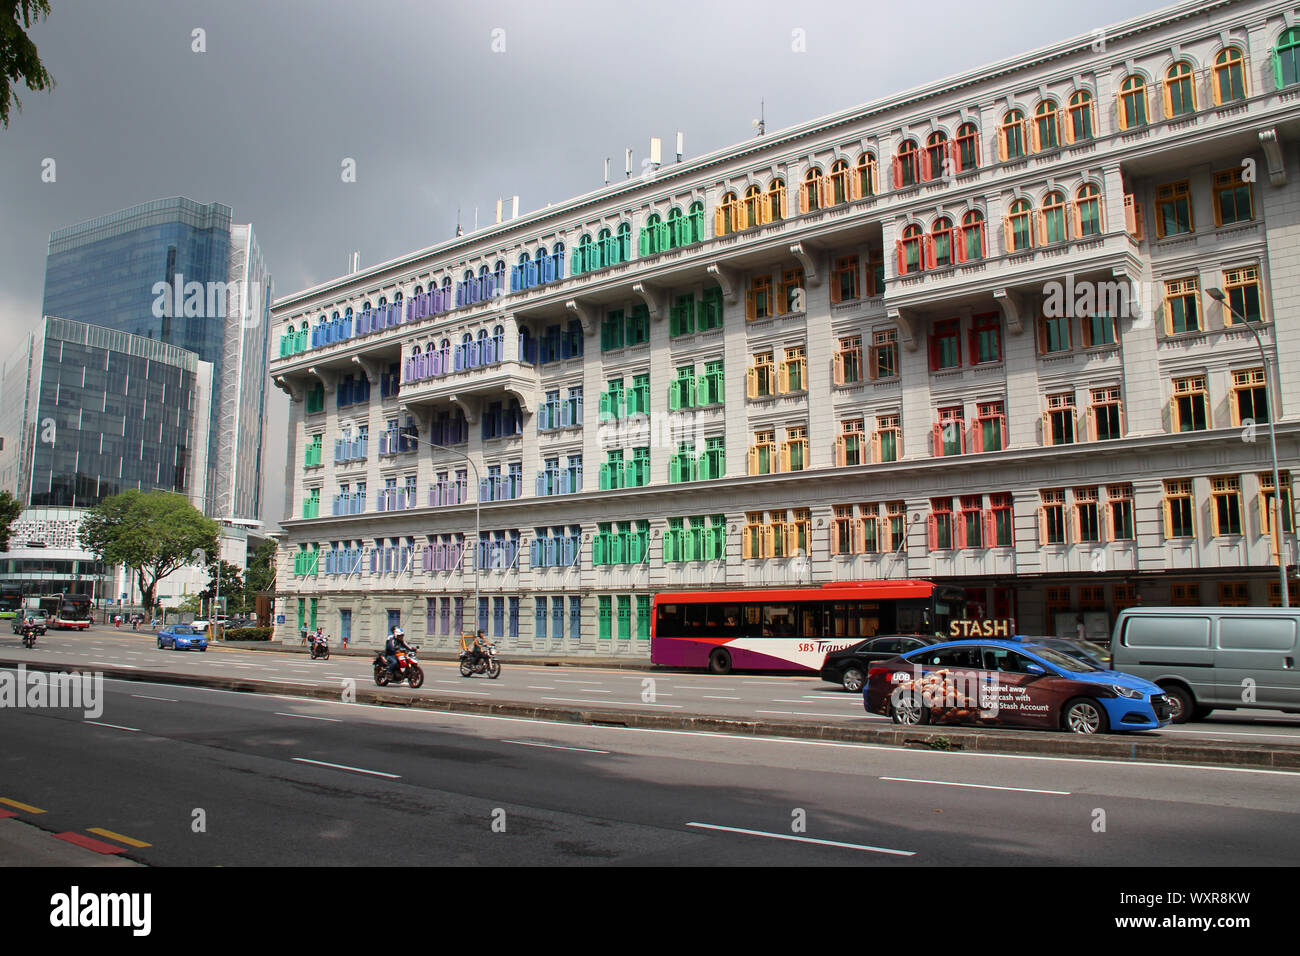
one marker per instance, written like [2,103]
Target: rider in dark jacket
[396,642]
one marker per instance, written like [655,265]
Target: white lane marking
[527,743]
[173,700]
[107,664]
[336,720]
[799,839]
[711,697]
[476,693]
[539,687]
[978,786]
[100,723]
[785,741]
[617,703]
[686,687]
[797,713]
[561,680]
[339,766]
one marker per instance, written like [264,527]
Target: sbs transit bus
[67,611]
[792,628]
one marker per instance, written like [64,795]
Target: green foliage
[10,509]
[152,533]
[19,61]
[261,570]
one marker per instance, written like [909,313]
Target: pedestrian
[304,637]
[1080,629]
[345,640]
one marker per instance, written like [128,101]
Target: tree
[261,569]
[151,533]
[232,585]
[10,509]
[18,58]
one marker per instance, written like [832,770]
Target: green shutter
[643,617]
[624,617]
[605,616]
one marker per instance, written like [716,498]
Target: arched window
[865,176]
[582,256]
[382,302]
[967,153]
[677,231]
[1011,135]
[972,235]
[1082,123]
[624,242]
[498,350]
[837,192]
[347,313]
[652,235]
[499,276]
[941,243]
[606,250]
[1019,226]
[1087,210]
[724,217]
[419,290]
[695,222]
[907,165]
[936,151]
[1133,102]
[754,205]
[1051,219]
[1229,76]
[810,191]
[397,297]
[910,249]
[365,306]
[776,200]
[1286,58]
[335,316]
[1180,92]
[1047,126]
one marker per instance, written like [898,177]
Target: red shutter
[897,165]
[958,244]
[934,352]
[937,440]
[902,257]
[932,532]
[929,251]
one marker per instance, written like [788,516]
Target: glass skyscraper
[180,273]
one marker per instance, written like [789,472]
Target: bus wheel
[720,662]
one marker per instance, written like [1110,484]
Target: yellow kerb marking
[26,808]
[118,837]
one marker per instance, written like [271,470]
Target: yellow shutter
[720,220]
[785,456]
[747,538]
[742,215]
[751,382]
[752,467]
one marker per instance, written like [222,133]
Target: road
[282,780]
[782,697]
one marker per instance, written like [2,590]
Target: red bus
[67,611]
[792,628]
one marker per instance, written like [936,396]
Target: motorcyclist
[318,638]
[476,648]
[396,642]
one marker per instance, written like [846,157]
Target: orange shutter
[751,382]
[720,220]
[837,368]
[841,452]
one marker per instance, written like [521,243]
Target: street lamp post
[1273,407]
[477,511]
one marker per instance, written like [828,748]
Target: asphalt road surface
[783,697]
[193,776]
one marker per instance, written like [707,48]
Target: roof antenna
[760,124]
[459,231]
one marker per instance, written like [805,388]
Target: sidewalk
[25,844]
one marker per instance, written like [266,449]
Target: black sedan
[849,667]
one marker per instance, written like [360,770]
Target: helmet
[398,632]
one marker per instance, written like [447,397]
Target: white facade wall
[1143,362]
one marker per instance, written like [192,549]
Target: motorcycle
[29,635]
[486,664]
[320,649]
[408,669]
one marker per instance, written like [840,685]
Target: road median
[1138,748]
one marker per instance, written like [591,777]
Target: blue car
[1012,684]
[182,637]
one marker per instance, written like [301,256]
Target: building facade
[181,273]
[962,334]
[90,412]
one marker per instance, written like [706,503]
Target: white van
[1207,658]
